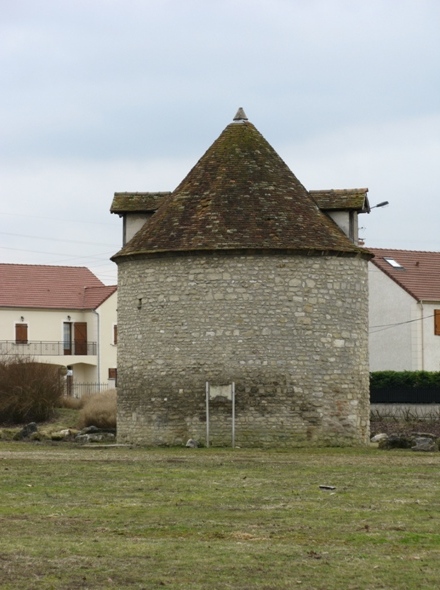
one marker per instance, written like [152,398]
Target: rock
[378,437]
[93,434]
[82,438]
[61,434]
[96,430]
[192,444]
[425,444]
[89,429]
[425,435]
[95,437]
[102,437]
[415,441]
[396,441]
[26,431]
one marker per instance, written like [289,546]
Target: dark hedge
[421,387]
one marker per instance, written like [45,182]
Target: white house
[60,315]
[404,310]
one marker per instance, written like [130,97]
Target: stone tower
[239,277]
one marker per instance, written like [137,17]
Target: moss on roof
[342,199]
[136,202]
[239,195]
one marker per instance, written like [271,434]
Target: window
[75,338]
[113,374]
[21,333]
[115,334]
[67,337]
[393,262]
[437,322]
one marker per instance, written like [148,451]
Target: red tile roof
[240,195]
[95,296]
[51,287]
[418,272]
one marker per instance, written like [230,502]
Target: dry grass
[98,409]
[79,518]
[70,402]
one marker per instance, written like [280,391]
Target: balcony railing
[44,348]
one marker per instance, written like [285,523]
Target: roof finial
[240,116]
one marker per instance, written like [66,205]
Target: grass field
[74,517]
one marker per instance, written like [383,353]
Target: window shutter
[112,373]
[437,322]
[21,333]
[115,334]
[80,337]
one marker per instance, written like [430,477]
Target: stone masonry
[289,330]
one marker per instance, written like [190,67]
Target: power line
[54,239]
[389,326]
[82,221]
[57,253]
[103,257]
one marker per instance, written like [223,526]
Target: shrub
[29,391]
[386,379]
[72,403]
[99,410]
[421,387]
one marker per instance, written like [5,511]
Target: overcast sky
[100,96]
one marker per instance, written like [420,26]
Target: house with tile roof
[242,278]
[61,315]
[404,310]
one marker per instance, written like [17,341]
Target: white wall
[108,350]
[43,324]
[46,325]
[132,224]
[394,326]
[430,347]
[348,222]
[401,330]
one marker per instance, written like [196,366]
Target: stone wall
[290,331]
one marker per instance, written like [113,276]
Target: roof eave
[353,252]
[137,202]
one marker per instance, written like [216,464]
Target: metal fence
[405,395]
[79,389]
[45,348]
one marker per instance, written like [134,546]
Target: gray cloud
[109,95]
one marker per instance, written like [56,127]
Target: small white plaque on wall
[220,390]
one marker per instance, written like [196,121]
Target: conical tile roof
[239,195]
